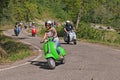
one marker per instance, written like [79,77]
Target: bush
[11,50]
[86,32]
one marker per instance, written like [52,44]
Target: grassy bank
[87,33]
[11,50]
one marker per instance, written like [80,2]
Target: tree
[74,9]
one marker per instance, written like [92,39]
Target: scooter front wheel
[33,35]
[51,63]
[63,60]
[68,41]
[75,42]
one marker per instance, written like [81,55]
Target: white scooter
[70,37]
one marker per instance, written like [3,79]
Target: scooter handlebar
[48,39]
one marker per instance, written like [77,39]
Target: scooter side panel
[63,52]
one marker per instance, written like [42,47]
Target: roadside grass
[11,50]
[7,26]
[89,34]
[114,45]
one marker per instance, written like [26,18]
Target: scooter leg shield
[70,36]
[65,37]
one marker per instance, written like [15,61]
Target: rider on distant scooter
[17,28]
[33,29]
[69,28]
[51,32]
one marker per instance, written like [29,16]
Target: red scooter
[34,32]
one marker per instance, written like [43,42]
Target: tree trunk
[78,18]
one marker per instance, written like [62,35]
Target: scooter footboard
[62,51]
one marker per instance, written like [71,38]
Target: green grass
[114,45]
[11,50]
[89,34]
[19,56]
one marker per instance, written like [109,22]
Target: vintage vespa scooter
[51,54]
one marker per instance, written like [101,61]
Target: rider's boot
[61,56]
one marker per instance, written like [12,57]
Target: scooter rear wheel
[16,33]
[51,63]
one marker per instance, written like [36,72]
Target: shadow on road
[42,64]
[13,35]
[22,38]
[66,43]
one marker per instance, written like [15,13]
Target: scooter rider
[33,29]
[69,28]
[17,28]
[51,32]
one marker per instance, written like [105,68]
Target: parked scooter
[70,37]
[51,54]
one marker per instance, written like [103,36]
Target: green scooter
[51,54]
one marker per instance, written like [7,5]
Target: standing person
[51,32]
[26,25]
[55,23]
[30,24]
[20,24]
[33,25]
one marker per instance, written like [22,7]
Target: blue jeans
[57,44]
